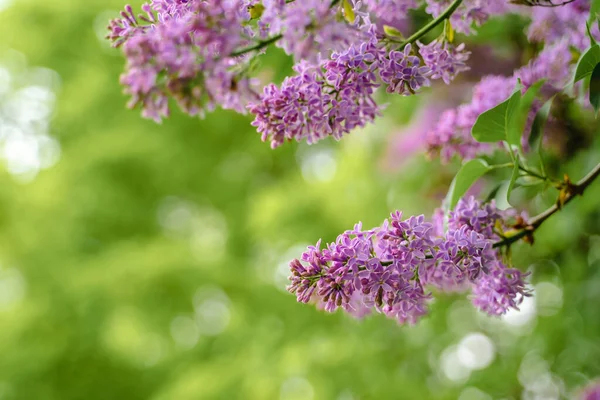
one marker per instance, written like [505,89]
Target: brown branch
[535,222]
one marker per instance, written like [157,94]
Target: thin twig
[539,219]
[441,18]
[264,43]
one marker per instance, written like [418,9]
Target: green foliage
[587,63]
[537,127]
[506,121]
[594,95]
[505,190]
[515,134]
[464,179]
[594,10]
[498,123]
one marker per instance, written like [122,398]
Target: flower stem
[539,219]
[441,18]
[259,45]
[264,43]
[534,174]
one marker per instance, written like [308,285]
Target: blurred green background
[144,261]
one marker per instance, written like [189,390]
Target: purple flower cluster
[403,72]
[444,59]
[452,134]
[177,50]
[386,9]
[199,52]
[469,13]
[311,29]
[388,268]
[328,100]
[335,97]
[568,22]
[551,65]
[561,29]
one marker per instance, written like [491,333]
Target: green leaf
[517,125]
[503,194]
[537,127]
[348,11]
[589,32]
[493,193]
[392,32]
[595,88]
[466,176]
[500,196]
[256,11]
[448,31]
[493,125]
[594,10]
[587,63]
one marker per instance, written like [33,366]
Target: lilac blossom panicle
[388,268]
[177,50]
[328,100]
[403,72]
[336,96]
[311,29]
[385,9]
[444,59]
[199,53]
[469,13]
[567,22]
[452,135]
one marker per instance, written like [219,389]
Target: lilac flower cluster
[567,22]
[331,99]
[311,29]
[199,52]
[388,268]
[469,13]
[444,60]
[560,29]
[452,134]
[384,9]
[337,96]
[177,50]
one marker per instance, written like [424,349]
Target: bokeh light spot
[476,351]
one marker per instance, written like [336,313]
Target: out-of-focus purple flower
[469,13]
[452,135]
[590,392]
[387,9]
[552,64]
[310,29]
[566,22]
[560,29]
[403,72]
[444,59]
